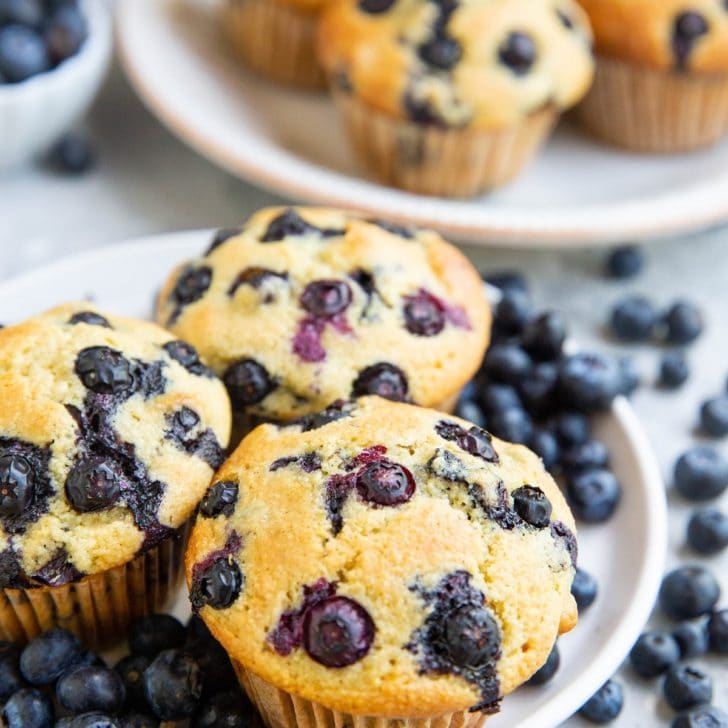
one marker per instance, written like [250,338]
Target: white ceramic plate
[626,555]
[576,193]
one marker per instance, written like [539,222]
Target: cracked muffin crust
[107,443]
[304,306]
[383,559]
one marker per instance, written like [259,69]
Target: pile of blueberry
[173,673]
[38,35]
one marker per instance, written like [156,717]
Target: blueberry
[498,398]
[374,7]
[221,236]
[49,655]
[588,455]
[190,286]
[28,708]
[326,297]
[137,720]
[518,52]
[714,416]
[337,632]
[383,379]
[683,323]
[474,441]
[688,592]
[688,28]
[544,336]
[186,355]
[217,672]
[90,318]
[441,52]
[633,319]
[584,589]
[701,473]
[385,483]
[290,224]
[686,686]
[507,280]
[538,389]
[104,370]
[89,688]
[625,262]
[90,720]
[173,685]
[247,383]
[22,53]
[544,444]
[692,638]
[571,429]
[507,363]
[512,313]
[674,371]
[718,632]
[469,410]
[65,33]
[220,498]
[224,710]
[512,425]
[217,585]
[10,678]
[654,653]
[154,633]
[589,382]
[630,374]
[22,12]
[546,672]
[424,314]
[471,637]
[17,485]
[73,155]
[605,705]
[532,505]
[704,716]
[93,485]
[594,494]
[708,531]
[131,671]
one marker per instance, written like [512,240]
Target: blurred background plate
[576,193]
[625,555]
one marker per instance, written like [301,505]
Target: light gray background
[147,182]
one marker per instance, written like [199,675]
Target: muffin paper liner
[275,40]
[431,160]
[280,709]
[652,110]
[100,607]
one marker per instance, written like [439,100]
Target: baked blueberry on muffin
[277,38]
[453,98]
[385,560]
[305,306]
[109,437]
[662,73]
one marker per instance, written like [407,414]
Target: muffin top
[662,33]
[384,559]
[110,432]
[478,63]
[304,306]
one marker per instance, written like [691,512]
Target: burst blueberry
[532,505]
[385,483]
[423,314]
[633,319]
[154,633]
[220,498]
[626,261]
[692,638]
[104,370]
[674,370]
[383,379]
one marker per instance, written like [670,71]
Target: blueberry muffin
[452,98]
[662,73]
[381,559]
[110,433]
[305,306]
[277,38]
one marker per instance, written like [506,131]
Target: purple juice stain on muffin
[217,580]
[307,344]
[383,379]
[191,286]
[308,462]
[562,534]
[290,224]
[474,441]
[184,431]
[426,315]
[256,277]
[459,636]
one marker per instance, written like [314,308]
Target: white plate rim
[646,218]
[566,702]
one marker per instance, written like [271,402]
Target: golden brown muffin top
[385,559]
[475,63]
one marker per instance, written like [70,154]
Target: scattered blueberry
[28,708]
[548,669]
[589,382]
[654,653]
[224,710]
[73,155]
[718,632]
[23,12]
[633,319]
[538,389]
[544,444]
[701,473]
[688,592]
[584,589]
[470,410]
[674,371]
[507,363]
[626,261]
[705,716]
[686,687]
[605,705]
[683,323]
[507,280]
[495,398]
[23,53]
[544,336]
[714,416]
[692,638]
[49,655]
[220,498]
[87,688]
[630,374]
[131,671]
[173,685]
[10,678]
[708,531]
[571,429]
[137,720]
[587,455]
[512,425]
[593,494]
[512,312]
[91,720]
[154,633]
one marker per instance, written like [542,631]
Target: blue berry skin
[594,495]
[584,589]
[507,280]
[626,261]
[692,638]
[546,672]
[718,632]
[571,428]
[543,338]
[631,377]
[224,710]
[73,155]
[90,720]
[674,370]
[714,416]
[683,323]
[28,708]
[10,678]
[545,445]
[470,410]
[586,456]
[507,363]
[686,687]
[633,319]
[65,33]
[654,653]
[49,655]
[708,531]
[512,313]
[173,685]
[23,12]
[538,389]
[131,671]
[589,382]
[688,592]
[90,688]
[701,473]
[154,633]
[137,720]
[605,705]
[22,53]
[498,398]
[705,716]
[512,425]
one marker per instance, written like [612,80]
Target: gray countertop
[148,182]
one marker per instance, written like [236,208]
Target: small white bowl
[36,113]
